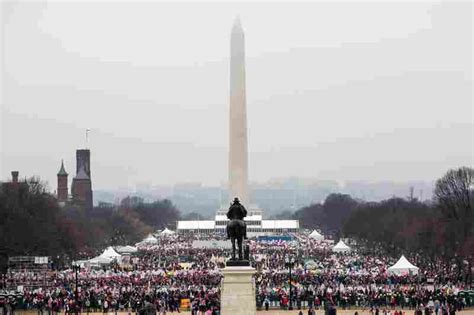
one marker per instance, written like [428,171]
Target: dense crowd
[350,279]
[170,274]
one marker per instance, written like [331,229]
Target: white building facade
[256,225]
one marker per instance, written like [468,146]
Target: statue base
[238,291]
[237,263]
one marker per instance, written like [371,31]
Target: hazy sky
[343,91]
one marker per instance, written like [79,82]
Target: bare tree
[454,195]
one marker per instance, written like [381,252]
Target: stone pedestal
[238,291]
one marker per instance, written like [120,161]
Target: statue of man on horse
[236,227]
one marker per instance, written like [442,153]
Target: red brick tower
[15,177]
[62,184]
[81,189]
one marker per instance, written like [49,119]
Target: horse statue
[236,228]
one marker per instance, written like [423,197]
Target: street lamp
[76,269]
[290,263]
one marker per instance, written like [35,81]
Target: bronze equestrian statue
[236,227]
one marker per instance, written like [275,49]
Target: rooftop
[62,170]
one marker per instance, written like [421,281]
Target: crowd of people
[171,274]
[349,280]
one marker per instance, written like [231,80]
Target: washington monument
[238,156]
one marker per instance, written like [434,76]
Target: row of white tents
[402,266]
[110,254]
[340,247]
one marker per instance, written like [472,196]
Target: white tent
[126,249]
[316,235]
[341,247]
[150,239]
[99,260]
[110,253]
[166,232]
[403,266]
[80,263]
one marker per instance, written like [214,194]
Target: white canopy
[403,266]
[126,249]
[80,263]
[150,239]
[99,260]
[166,232]
[110,253]
[316,235]
[340,247]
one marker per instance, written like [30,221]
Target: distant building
[81,187]
[14,183]
[15,177]
[256,226]
[83,160]
[62,190]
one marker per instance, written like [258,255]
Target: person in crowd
[148,308]
[266,302]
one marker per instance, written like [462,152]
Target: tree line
[437,229]
[33,224]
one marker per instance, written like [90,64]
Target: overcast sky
[342,91]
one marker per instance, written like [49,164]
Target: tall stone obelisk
[238,155]
[238,289]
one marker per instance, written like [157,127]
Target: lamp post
[76,269]
[290,263]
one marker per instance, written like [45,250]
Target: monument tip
[237,24]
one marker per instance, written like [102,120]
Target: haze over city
[236,158]
[329,96]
